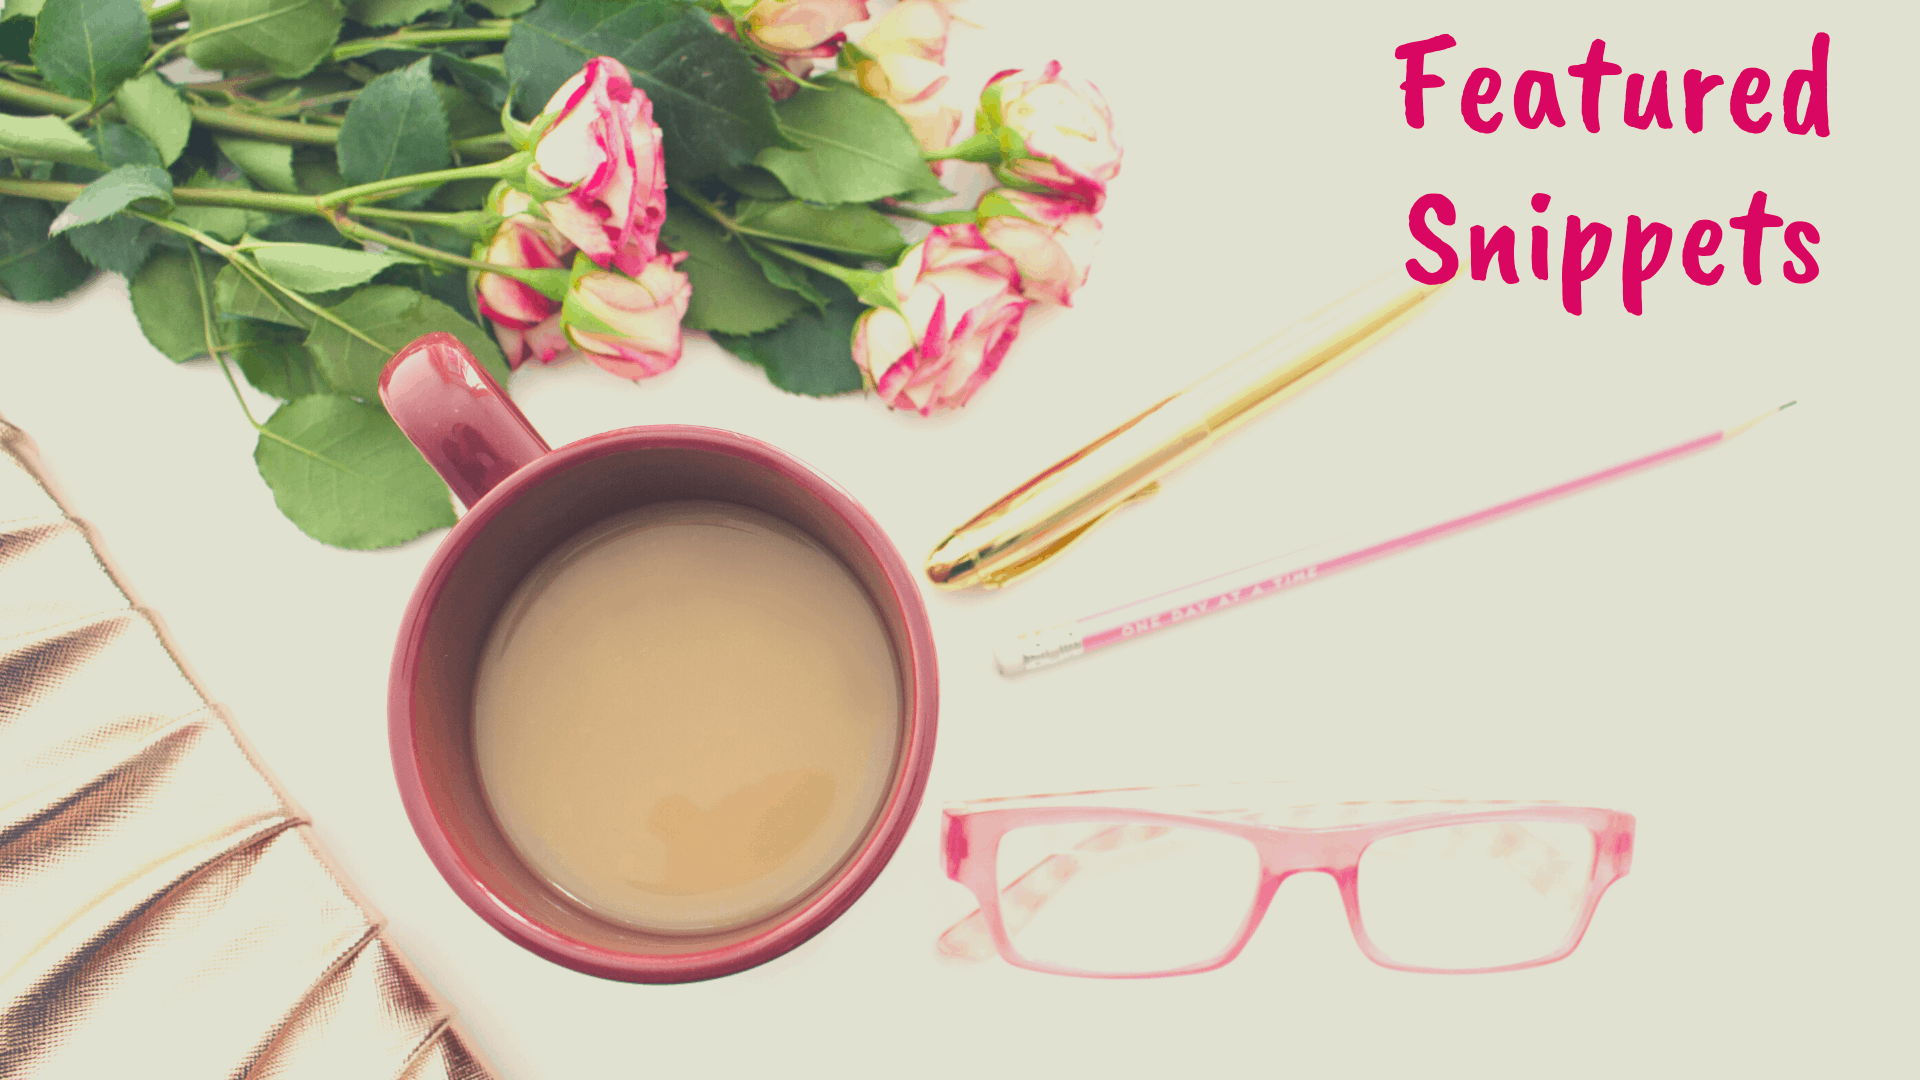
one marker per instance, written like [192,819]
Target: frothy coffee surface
[686,716]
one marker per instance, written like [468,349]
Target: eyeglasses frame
[971,844]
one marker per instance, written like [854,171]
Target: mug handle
[457,416]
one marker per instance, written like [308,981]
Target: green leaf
[392,12]
[782,274]
[507,9]
[46,138]
[730,294]
[275,360]
[221,222]
[466,117]
[711,105]
[120,244]
[87,48]
[385,319]
[483,76]
[461,195]
[167,303]
[344,473]
[396,127]
[756,183]
[235,296]
[286,37]
[301,229]
[114,192]
[853,229]
[16,37]
[875,289]
[310,268]
[120,145]
[813,353]
[155,110]
[33,265]
[268,164]
[318,177]
[857,149]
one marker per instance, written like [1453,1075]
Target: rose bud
[526,322]
[629,325]
[599,150]
[963,309]
[1052,246]
[1067,128]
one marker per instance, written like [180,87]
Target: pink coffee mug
[525,499]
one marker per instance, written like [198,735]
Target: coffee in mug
[686,715]
[710,688]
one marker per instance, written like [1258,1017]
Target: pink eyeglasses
[1112,884]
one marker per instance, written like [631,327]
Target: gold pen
[1041,517]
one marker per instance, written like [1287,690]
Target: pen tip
[1740,429]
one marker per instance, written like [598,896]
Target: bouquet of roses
[298,188]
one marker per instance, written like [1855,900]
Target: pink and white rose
[1068,129]
[963,310]
[526,322]
[600,143]
[796,33]
[1052,246]
[906,48]
[629,325]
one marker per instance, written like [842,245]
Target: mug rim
[849,881]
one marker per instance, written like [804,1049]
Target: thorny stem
[931,217]
[483,146]
[469,222]
[982,146]
[265,127]
[302,105]
[843,274]
[88,113]
[34,97]
[396,184]
[552,283]
[475,223]
[57,191]
[216,117]
[407,38]
[772,63]
[733,226]
[218,352]
[214,348]
[230,86]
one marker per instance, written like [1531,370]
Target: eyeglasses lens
[1124,898]
[1479,895]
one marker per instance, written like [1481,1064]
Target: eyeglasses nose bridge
[1286,852]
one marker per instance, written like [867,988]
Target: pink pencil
[1043,648]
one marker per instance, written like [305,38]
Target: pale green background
[1724,648]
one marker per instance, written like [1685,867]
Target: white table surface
[1723,647]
